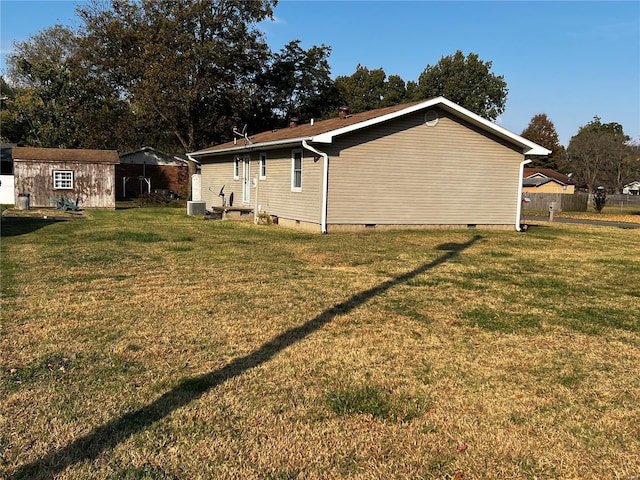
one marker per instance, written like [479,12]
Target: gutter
[519,207]
[251,147]
[325,184]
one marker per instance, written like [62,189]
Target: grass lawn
[144,343]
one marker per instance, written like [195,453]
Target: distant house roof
[325,131]
[531,172]
[64,155]
[539,181]
[157,155]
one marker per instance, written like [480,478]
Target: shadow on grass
[13,226]
[109,435]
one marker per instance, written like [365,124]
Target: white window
[236,168]
[263,166]
[63,179]
[296,171]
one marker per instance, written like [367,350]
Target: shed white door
[246,179]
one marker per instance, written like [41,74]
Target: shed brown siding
[408,173]
[274,193]
[93,183]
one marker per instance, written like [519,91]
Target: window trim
[262,168]
[236,167]
[62,183]
[295,188]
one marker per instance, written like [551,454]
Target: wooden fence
[622,200]
[573,203]
[564,202]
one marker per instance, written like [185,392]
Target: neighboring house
[632,188]
[86,177]
[6,175]
[149,170]
[546,180]
[428,163]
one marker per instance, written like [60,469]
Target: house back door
[246,180]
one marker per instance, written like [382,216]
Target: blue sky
[571,60]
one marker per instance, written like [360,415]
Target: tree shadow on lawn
[109,435]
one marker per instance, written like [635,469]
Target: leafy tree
[13,127]
[597,154]
[56,102]
[370,89]
[188,67]
[467,81]
[395,91]
[296,83]
[542,131]
[363,90]
[41,73]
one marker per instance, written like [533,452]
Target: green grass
[143,343]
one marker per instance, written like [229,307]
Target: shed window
[63,179]
[296,170]
[263,166]
[236,168]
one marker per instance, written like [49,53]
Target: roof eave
[250,147]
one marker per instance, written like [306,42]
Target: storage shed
[86,177]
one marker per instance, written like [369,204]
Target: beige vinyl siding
[215,174]
[550,187]
[405,172]
[274,193]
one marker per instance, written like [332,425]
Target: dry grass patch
[148,344]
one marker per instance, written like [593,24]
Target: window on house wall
[236,168]
[296,170]
[263,166]
[63,179]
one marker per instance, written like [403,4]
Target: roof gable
[326,131]
[152,156]
[532,172]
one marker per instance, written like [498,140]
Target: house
[85,177]
[6,175]
[546,180]
[632,188]
[149,170]
[427,163]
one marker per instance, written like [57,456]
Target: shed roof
[32,154]
[325,131]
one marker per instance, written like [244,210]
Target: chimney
[293,122]
[343,112]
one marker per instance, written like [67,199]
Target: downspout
[325,184]
[519,207]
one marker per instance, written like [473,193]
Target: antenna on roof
[242,134]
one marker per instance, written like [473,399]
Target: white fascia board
[250,147]
[528,147]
